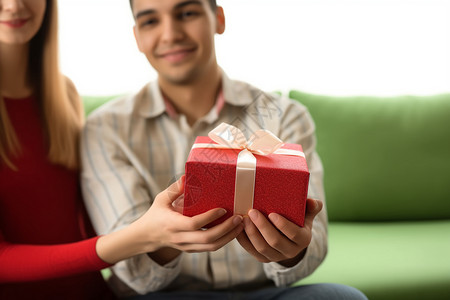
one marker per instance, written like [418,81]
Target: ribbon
[262,142]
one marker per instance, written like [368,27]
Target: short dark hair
[212,3]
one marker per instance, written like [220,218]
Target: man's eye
[148,22]
[188,14]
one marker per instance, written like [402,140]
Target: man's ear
[220,20]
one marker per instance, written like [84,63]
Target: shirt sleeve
[298,127]
[20,263]
[116,188]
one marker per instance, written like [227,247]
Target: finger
[258,240]
[216,245]
[247,245]
[209,235]
[299,236]
[201,220]
[313,207]
[272,236]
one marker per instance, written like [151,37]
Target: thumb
[172,193]
[313,207]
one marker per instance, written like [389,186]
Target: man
[135,146]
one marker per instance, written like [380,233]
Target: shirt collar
[153,103]
[150,101]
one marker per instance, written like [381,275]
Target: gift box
[225,170]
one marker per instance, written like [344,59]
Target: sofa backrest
[90,103]
[385,159]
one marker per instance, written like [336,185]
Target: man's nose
[171,30]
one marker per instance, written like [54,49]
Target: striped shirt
[136,146]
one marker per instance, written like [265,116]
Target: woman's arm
[19,263]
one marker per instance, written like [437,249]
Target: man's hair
[212,3]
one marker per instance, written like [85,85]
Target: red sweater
[43,253]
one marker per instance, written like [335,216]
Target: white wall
[381,47]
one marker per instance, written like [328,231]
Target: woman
[40,119]
[42,220]
[47,246]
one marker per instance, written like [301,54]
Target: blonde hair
[60,105]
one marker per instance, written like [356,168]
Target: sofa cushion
[399,260]
[384,158]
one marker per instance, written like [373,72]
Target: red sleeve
[32,262]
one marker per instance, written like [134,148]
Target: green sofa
[387,184]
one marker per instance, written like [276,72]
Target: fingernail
[237,220]
[273,217]
[253,214]
[222,211]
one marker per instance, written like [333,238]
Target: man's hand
[280,241]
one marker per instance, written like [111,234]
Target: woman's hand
[172,229]
[163,232]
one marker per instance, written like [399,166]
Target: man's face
[177,36]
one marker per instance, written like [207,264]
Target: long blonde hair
[60,105]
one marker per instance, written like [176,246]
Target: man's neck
[13,71]
[194,100]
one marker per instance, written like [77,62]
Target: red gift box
[280,182]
